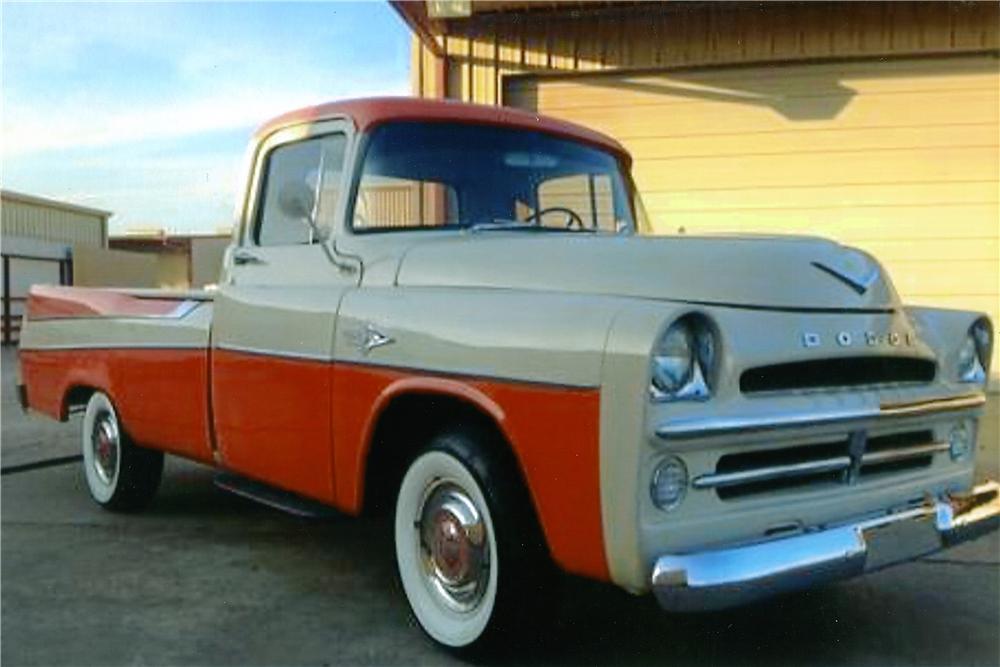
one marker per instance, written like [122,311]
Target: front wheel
[462,525]
[121,476]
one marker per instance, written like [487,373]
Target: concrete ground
[204,577]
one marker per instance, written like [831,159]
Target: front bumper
[728,577]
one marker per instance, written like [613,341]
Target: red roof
[369,112]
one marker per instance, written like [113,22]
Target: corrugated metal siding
[484,50]
[51,224]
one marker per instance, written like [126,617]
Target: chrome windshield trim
[720,480]
[706,427]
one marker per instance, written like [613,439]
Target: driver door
[275,317]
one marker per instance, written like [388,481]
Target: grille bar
[841,462]
[722,480]
[904,453]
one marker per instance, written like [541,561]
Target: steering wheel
[572,217]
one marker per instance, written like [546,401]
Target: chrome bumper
[728,577]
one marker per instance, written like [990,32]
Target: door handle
[244,257]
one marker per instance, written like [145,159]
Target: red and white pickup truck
[451,311]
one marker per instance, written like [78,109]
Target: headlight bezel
[698,380]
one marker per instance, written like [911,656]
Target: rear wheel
[121,476]
[467,545]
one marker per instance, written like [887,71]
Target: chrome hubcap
[453,546]
[104,447]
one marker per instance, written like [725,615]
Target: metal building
[37,237]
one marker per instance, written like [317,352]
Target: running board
[286,501]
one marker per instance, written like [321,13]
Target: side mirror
[296,201]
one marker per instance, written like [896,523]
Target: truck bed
[148,348]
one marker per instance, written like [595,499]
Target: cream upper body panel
[550,337]
[780,272]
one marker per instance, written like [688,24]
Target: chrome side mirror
[298,202]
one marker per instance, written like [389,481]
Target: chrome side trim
[182,310]
[285,354]
[719,480]
[720,578]
[705,427]
[903,453]
[114,346]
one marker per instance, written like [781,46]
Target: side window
[309,170]
[589,196]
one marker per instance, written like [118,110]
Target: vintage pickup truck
[453,312]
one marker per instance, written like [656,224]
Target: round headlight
[983,336]
[974,355]
[960,442]
[673,360]
[669,483]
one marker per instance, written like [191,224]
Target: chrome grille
[844,461]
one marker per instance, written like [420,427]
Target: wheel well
[76,399]
[405,427]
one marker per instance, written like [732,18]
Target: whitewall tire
[120,475]
[471,558]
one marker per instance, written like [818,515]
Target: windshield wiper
[502,224]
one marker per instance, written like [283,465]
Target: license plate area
[900,541]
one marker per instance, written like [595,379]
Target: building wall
[206,259]
[101,267]
[28,217]
[487,48]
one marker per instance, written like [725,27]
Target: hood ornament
[852,269]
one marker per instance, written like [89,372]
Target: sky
[145,109]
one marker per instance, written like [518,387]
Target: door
[896,156]
[275,316]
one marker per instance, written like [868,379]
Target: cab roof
[369,112]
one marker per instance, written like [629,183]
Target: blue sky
[145,109]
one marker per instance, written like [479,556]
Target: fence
[13,299]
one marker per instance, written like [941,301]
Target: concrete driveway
[207,578]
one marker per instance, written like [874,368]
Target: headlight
[669,483]
[683,361]
[974,355]
[961,441]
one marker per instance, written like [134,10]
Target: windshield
[454,175]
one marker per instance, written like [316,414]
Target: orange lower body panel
[161,395]
[272,420]
[554,431]
[306,426]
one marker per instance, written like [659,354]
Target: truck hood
[787,272]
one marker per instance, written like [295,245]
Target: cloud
[144,108]
[28,129]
